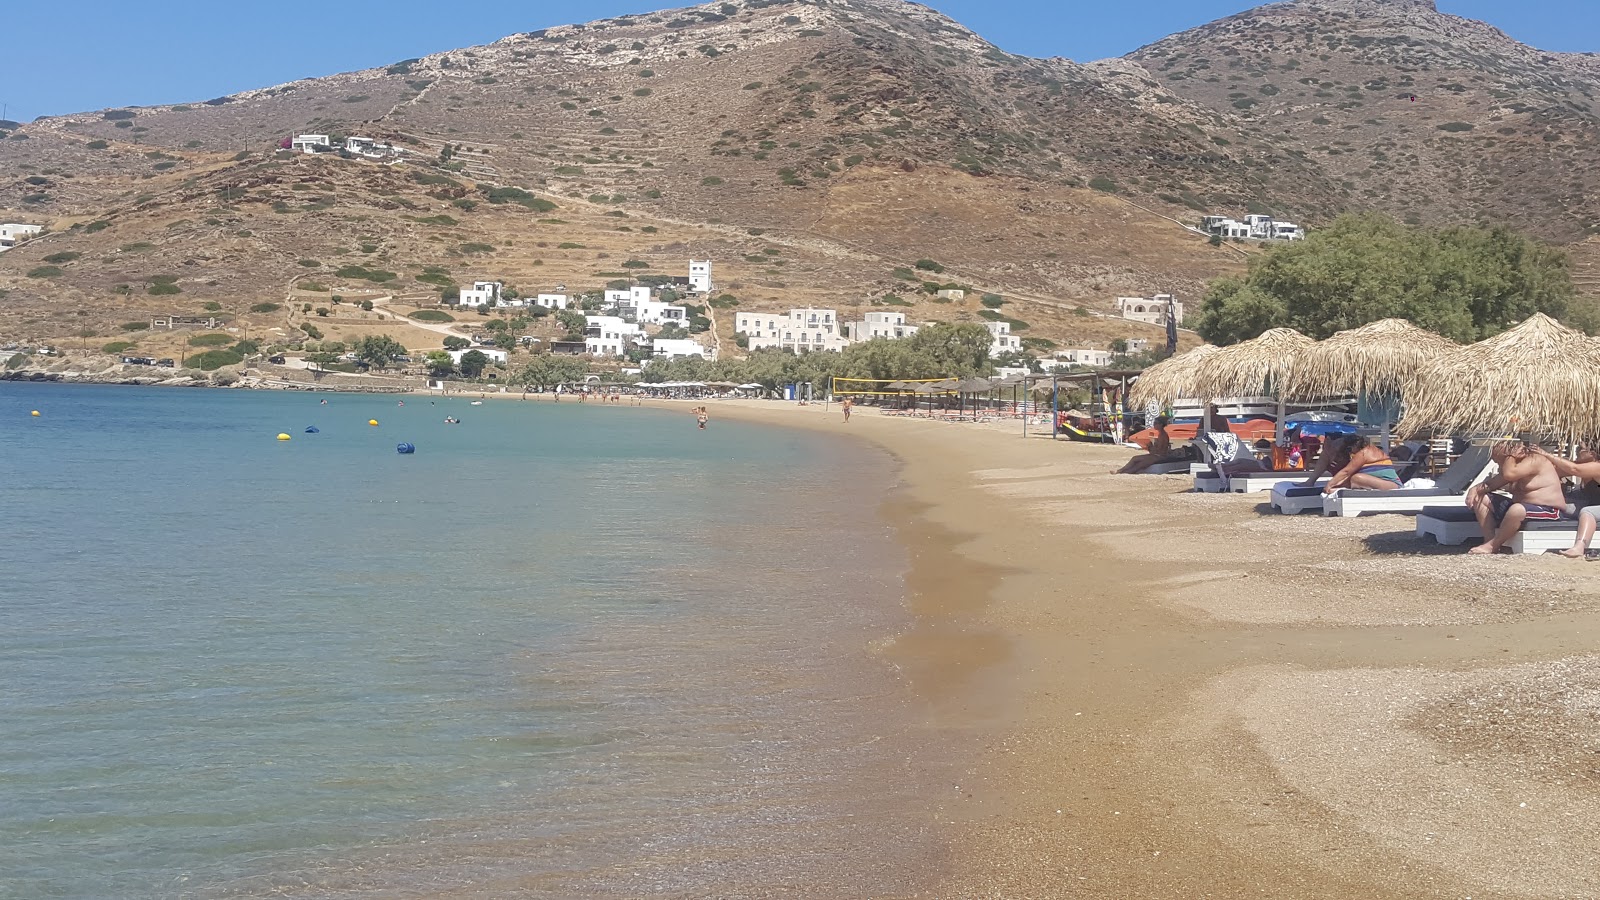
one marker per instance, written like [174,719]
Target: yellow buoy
[282,436]
[35,412]
[372,421]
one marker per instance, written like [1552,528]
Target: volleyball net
[877,387]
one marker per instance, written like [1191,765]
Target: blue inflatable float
[405,448]
[313,430]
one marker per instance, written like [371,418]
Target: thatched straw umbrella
[1251,368]
[1540,378]
[1170,380]
[1380,359]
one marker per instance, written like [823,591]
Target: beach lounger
[1292,498]
[1456,525]
[1450,489]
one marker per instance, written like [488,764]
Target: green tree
[440,364]
[473,362]
[1463,283]
[451,342]
[505,340]
[378,350]
[574,322]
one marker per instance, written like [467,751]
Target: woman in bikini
[1369,468]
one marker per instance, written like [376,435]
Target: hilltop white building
[1254,227]
[700,276]
[1094,359]
[891,325]
[495,354]
[807,329]
[1003,340]
[551,301]
[14,233]
[1151,310]
[483,293]
[311,143]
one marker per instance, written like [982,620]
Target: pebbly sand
[1178,695]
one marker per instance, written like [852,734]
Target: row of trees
[935,351]
[1464,283]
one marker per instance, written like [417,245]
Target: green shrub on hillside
[266,307]
[116,347]
[214,339]
[135,326]
[44,272]
[432,315]
[212,360]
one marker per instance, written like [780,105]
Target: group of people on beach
[1528,484]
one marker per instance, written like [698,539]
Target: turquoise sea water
[562,650]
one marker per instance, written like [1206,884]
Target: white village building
[700,276]
[1094,359]
[483,293]
[14,233]
[802,329]
[495,354]
[1254,227]
[672,348]
[1151,310]
[311,143]
[610,335]
[1003,340]
[891,325]
[551,301]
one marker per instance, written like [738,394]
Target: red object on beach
[1250,431]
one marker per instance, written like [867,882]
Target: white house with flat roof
[1094,359]
[483,293]
[14,233]
[311,143]
[495,354]
[807,329]
[1003,341]
[626,297]
[1152,310]
[700,276]
[890,325]
[551,301]
[673,348]
[610,335]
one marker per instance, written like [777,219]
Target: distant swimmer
[324,403]
[402,403]
[451,420]
[702,417]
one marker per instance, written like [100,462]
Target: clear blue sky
[74,55]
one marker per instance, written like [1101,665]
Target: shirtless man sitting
[1160,451]
[1535,494]
[1586,468]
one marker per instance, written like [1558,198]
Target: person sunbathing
[1160,451]
[1586,468]
[1535,493]
[1369,468]
[1334,456]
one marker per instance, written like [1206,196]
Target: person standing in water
[702,417]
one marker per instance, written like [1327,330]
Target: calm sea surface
[562,650]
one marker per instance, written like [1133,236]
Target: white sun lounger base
[1171,468]
[1451,534]
[1351,507]
[1257,482]
[1294,505]
[1543,539]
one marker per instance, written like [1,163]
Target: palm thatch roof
[1539,378]
[975,386]
[1170,380]
[1381,358]
[1251,368]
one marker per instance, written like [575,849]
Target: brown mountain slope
[812,149]
[1498,131]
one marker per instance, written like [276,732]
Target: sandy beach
[1174,694]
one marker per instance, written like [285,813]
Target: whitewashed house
[1152,310]
[311,143]
[495,354]
[1003,341]
[952,294]
[890,325]
[1095,359]
[610,335]
[1136,345]
[14,233]
[625,298]
[672,348]
[807,329]
[700,276]
[482,293]
[551,301]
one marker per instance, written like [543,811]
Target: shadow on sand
[1409,543]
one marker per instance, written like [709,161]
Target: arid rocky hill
[815,149]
